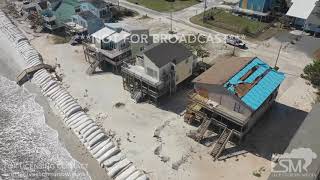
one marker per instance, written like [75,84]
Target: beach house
[234,93]
[159,71]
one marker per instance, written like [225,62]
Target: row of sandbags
[90,134]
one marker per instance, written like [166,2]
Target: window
[52,23]
[103,13]
[151,72]
[77,9]
[237,107]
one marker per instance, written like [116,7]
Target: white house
[305,14]
[160,69]
[110,47]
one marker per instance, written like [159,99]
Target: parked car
[234,41]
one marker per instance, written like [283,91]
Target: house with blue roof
[256,5]
[236,92]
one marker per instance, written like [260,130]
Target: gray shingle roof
[87,15]
[164,53]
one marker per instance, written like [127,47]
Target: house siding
[262,110]
[256,5]
[94,25]
[221,95]
[149,64]
[184,69]
[85,6]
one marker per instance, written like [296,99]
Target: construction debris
[159,129]
[165,158]
[199,133]
[119,105]
[177,164]
[158,150]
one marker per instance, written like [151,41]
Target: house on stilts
[232,96]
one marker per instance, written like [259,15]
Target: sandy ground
[134,124]
[10,66]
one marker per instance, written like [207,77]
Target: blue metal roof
[257,95]
[256,5]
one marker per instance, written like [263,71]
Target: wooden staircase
[202,129]
[221,143]
[92,68]
[137,96]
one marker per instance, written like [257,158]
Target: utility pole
[171,31]
[275,66]
[204,10]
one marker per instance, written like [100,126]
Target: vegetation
[59,40]
[197,46]
[120,13]
[312,74]
[258,173]
[217,18]
[144,17]
[165,5]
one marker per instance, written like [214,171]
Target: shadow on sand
[177,102]
[274,131]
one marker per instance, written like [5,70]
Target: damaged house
[59,12]
[99,8]
[112,46]
[90,17]
[84,22]
[108,47]
[77,15]
[158,71]
[232,95]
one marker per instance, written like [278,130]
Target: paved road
[180,17]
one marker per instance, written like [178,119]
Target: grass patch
[164,5]
[120,13]
[218,18]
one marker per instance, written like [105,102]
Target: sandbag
[112,171]
[108,154]
[126,173]
[103,149]
[114,159]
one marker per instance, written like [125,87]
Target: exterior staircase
[202,129]
[137,96]
[221,143]
[92,68]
